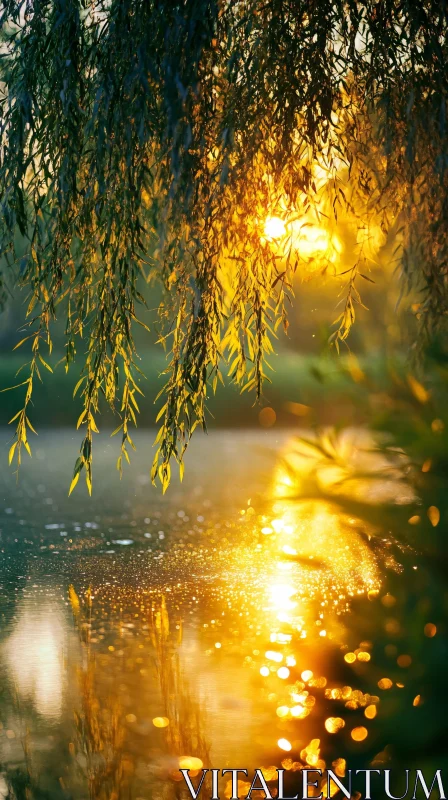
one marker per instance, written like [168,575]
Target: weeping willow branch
[146,142]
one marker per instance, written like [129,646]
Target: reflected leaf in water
[316,556]
[313,560]
[326,490]
[272,651]
[108,738]
[316,550]
[99,738]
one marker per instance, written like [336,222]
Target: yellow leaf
[74,599]
[418,390]
[161,412]
[298,409]
[73,483]
[19,344]
[30,426]
[355,369]
[434,515]
[11,451]
[10,388]
[81,417]
[42,361]
[77,386]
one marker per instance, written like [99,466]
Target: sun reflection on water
[242,645]
[314,560]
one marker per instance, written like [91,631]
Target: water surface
[237,621]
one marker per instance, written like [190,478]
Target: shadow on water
[249,618]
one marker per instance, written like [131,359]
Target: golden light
[359,734]
[35,658]
[363,656]
[310,239]
[284,744]
[274,228]
[272,655]
[190,762]
[283,673]
[334,724]
[280,596]
[350,658]
[160,722]
[300,712]
[267,417]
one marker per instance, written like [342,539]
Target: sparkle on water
[231,638]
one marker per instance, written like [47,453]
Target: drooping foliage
[149,141]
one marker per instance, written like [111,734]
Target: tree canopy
[180,143]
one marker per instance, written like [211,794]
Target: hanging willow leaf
[147,142]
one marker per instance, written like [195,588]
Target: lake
[239,620]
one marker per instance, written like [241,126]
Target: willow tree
[148,141]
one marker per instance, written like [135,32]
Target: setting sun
[274,228]
[310,241]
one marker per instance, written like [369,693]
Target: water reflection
[320,559]
[135,720]
[313,560]
[278,636]
[314,557]
[34,653]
